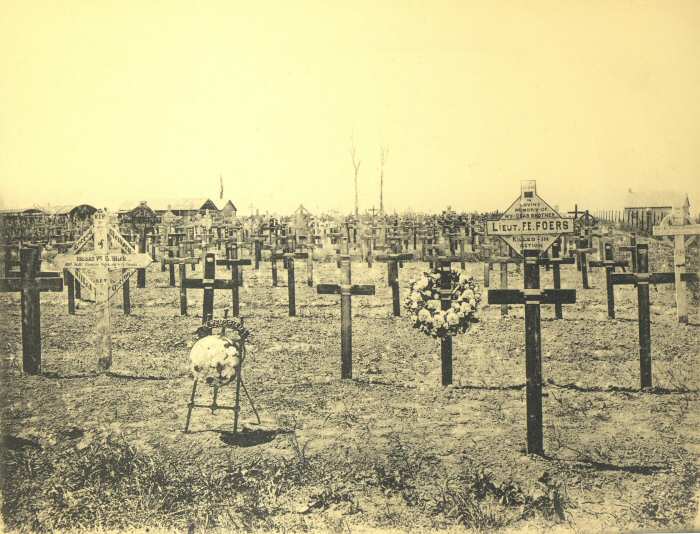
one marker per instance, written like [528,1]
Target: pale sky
[102,102]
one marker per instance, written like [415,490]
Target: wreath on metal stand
[217,360]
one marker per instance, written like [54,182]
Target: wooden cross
[632,249]
[257,244]
[642,279]
[582,260]
[369,240]
[393,262]
[142,219]
[233,263]
[532,297]
[181,259]
[289,257]
[444,265]
[679,225]
[556,261]
[30,283]
[346,289]
[111,253]
[208,283]
[610,264]
[309,246]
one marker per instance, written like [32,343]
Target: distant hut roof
[173,204]
[222,204]
[655,199]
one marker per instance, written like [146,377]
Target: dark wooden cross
[444,265]
[582,259]
[208,283]
[233,262]
[346,289]
[632,249]
[257,249]
[308,247]
[289,257]
[181,259]
[610,264]
[642,279]
[532,297]
[274,256]
[393,262]
[30,283]
[555,262]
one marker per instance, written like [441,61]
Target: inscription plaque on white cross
[679,225]
[92,268]
[529,223]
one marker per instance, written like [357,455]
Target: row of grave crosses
[111,252]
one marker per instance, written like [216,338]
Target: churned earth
[389,449]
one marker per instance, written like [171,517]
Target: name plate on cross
[529,222]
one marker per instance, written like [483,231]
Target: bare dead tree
[356,166]
[383,154]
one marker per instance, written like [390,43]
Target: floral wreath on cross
[424,304]
[216,358]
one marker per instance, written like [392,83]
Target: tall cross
[582,260]
[233,263]
[208,283]
[111,253]
[444,265]
[678,224]
[610,264]
[289,257]
[532,297]
[393,262]
[30,283]
[346,289]
[642,279]
[556,261]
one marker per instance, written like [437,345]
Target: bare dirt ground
[390,449]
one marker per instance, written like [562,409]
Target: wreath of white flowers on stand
[424,304]
[217,360]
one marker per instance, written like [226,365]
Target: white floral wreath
[423,303]
[215,359]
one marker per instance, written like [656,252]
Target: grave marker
[233,263]
[532,297]
[111,253]
[208,283]
[678,225]
[609,263]
[641,280]
[530,226]
[444,265]
[346,290]
[392,267]
[30,285]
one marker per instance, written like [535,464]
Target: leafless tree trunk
[356,166]
[383,154]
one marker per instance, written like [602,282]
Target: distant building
[650,207]
[180,207]
[227,209]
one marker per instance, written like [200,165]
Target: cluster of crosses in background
[529,235]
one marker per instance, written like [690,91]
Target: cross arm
[394,257]
[335,289]
[608,263]
[445,259]
[198,283]
[522,296]
[240,261]
[42,284]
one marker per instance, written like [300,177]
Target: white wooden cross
[92,268]
[679,225]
